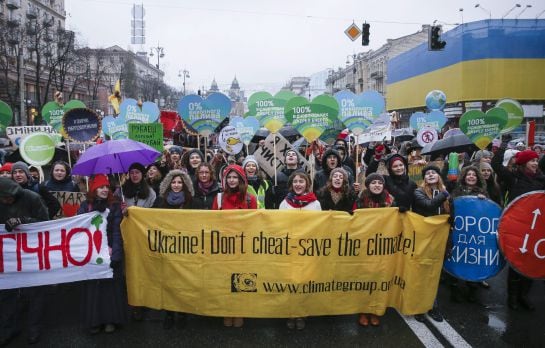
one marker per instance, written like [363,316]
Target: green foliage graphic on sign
[311,119]
[269,110]
[482,128]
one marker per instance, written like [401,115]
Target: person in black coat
[398,182]
[20,206]
[330,160]
[525,177]
[205,186]
[60,178]
[104,300]
[337,194]
[291,164]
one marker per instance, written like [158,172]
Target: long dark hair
[185,189]
[140,190]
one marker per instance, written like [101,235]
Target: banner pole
[274,157]
[68,150]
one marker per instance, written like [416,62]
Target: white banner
[57,251]
[375,134]
[16,134]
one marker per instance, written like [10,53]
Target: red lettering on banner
[89,246]
[28,250]
[2,236]
[61,247]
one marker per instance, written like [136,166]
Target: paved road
[485,324]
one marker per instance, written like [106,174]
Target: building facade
[482,62]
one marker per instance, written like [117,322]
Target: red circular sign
[522,234]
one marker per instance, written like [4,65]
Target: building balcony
[14,21]
[377,75]
[13,4]
[32,13]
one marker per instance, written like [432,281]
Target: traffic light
[365,34]
[434,38]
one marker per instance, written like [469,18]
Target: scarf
[336,195]
[301,200]
[176,198]
[204,187]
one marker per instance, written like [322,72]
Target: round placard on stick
[81,125]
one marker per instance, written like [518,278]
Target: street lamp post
[353,70]
[485,10]
[160,51]
[524,9]
[185,74]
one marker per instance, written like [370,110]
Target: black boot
[456,294]
[472,293]
[523,299]
[513,290]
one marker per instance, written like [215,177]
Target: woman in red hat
[104,300]
[234,196]
[523,178]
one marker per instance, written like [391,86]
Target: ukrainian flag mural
[484,60]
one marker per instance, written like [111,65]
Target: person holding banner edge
[374,195]
[104,301]
[431,199]
[234,196]
[175,192]
[20,206]
[301,197]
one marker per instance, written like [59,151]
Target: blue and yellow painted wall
[484,60]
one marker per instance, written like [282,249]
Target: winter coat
[281,190]
[27,204]
[202,200]
[346,203]
[427,206]
[321,177]
[399,186]
[231,201]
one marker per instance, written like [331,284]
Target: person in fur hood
[176,191]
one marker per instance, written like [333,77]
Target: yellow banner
[270,263]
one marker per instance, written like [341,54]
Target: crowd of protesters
[345,179]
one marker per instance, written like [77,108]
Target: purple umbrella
[114,157]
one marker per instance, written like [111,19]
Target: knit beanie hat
[175,149]
[6,167]
[482,153]
[97,181]
[508,155]
[430,167]
[339,170]
[22,166]
[525,156]
[371,177]
[138,166]
[248,159]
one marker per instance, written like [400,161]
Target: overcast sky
[266,41]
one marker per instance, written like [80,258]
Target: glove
[114,264]
[446,194]
[11,223]
[402,209]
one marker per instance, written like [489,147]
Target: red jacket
[232,201]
